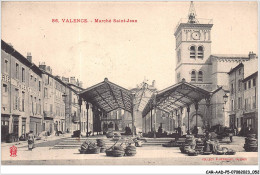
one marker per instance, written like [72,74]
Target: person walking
[31,140]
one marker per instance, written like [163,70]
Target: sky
[125,53]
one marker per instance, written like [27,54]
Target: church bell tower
[193,48]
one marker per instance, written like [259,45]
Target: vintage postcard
[130,83]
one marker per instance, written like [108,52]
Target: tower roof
[192,14]
[192,21]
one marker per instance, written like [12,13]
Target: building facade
[198,66]
[81,114]
[54,105]
[22,88]
[33,99]
[243,95]
[250,114]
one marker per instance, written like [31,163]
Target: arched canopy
[108,96]
[180,95]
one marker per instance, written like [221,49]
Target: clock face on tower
[195,35]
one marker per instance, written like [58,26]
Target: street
[44,154]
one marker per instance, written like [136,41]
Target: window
[249,122]
[239,103]
[200,76]
[254,82]
[239,85]
[232,88]
[192,52]
[249,103]
[39,85]
[193,76]
[179,55]
[245,85]
[253,102]
[6,66]
[40,108]
[249,84]
[23,74]
[35,79]
[45,92]
[4,88]
[23,101]
[239,71]
[232,105]
[16,99]
[246,104]
[200,52]
[35,106]
[17,71]
[32,103]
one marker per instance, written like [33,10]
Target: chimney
[42,66]
[10,44]
[153,83]
[251,55]
[81,84]
[29,56]
[49,70]
[64,79]
[73,80]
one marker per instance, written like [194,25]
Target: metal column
[188,111]
[196,108]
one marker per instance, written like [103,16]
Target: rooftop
[230,55]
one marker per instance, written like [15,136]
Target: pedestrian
[231,137]
[31,140]
[235,131]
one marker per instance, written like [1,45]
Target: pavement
[43,154]
[49,140]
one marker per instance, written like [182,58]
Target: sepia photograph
[130,83]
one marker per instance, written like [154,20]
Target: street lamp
[155,105]
[80,103]
[87,107]
[225,98]
[133,117]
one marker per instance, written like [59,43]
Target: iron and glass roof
[108,96]
[174,97]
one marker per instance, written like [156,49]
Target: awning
[108,96]
[175,97]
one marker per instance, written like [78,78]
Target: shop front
[4,126]
[16,125]
[48,125]
[35,125]
[250,121]
[23,129]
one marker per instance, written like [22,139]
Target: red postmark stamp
[13,151]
